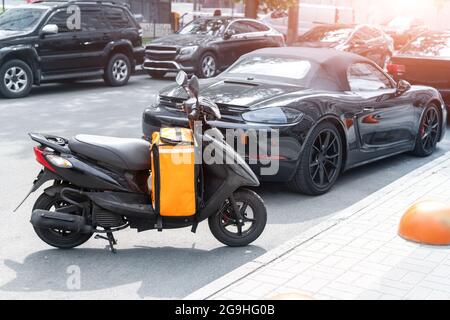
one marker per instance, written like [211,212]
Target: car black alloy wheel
[324,158]
[428,136]
[321,161]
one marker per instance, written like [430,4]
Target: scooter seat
[122,153]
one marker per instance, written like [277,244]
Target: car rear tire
[118,70]
[16,79]
[321,161]
[208,66]
[429,131]
[156,74]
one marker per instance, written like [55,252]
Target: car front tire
[118,70]
[16,79]
[208,66]
[321,161]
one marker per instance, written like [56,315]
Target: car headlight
[273,115]
[187,51]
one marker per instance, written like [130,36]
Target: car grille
[161,52]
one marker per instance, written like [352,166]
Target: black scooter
[101,186]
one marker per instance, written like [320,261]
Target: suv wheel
[16,79]
[208,66]
[118,70]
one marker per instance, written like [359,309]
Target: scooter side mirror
[194,86]
[182,78]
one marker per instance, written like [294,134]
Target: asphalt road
[149,265]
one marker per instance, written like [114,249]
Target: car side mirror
[49,29]
[403,86]
[228,34]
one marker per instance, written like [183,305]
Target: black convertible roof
[330,72]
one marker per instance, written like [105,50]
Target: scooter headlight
[58,161]
[274,115]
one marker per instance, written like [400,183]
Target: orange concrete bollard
[426,222]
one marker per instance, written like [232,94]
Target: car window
[92,20]
[372,32]
[118,18]
[62,19]
[328,34]
[254,26]
[365,77]
[211,27]
[429,45]
[289,68]
[363,34]
[239,27]
[21,19]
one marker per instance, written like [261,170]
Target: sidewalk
[357,254]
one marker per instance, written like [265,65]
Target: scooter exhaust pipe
[59,220]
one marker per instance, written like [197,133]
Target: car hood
[236,92]
[7,34]
[183,40]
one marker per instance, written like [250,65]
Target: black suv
[207,45]
[56,41]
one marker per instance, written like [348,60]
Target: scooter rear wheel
[224,225]
[57,238]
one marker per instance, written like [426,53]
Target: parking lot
[149,265]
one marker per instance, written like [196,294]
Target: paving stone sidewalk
[357,254]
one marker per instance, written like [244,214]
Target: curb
[243,271]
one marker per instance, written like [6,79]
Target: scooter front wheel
[225,225]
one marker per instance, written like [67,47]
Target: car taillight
[396,68]
[41,159]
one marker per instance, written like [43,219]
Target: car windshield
[327,34]
[288,68]
[429,45]
[211,27]
[21,19]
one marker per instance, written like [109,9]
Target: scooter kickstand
[110,238]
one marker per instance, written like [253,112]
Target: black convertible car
[334,111]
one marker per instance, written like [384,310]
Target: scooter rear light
[39,153]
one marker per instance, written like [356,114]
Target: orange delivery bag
[174,173]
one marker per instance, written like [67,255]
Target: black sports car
[333,111]
[426,61]
[208,45]
[366,40]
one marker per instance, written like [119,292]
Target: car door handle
[368,109]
